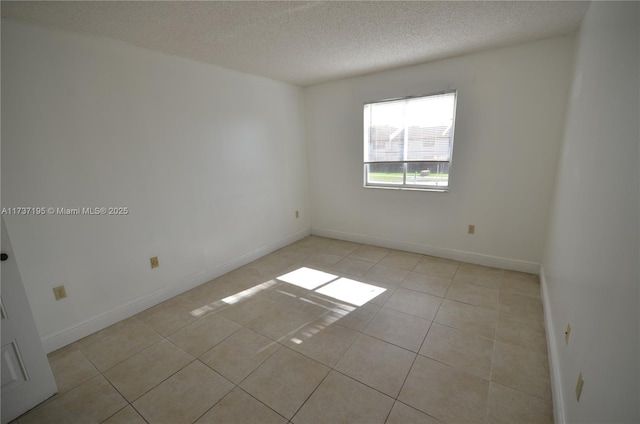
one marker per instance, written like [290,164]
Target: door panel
[13,373]
[27,379]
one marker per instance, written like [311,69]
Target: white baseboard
[552,350]
[105,319]
[458,255]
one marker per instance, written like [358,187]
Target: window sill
[433,190]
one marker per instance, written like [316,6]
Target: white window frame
[405,162]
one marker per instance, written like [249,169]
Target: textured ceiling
[308,42]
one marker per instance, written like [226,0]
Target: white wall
[590,265]
[211,164]
[510,114]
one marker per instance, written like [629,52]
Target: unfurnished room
[320,212]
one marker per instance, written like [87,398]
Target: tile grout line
[404,381]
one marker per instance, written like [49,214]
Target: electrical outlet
[59,292]
[579,387]
[297,215]
[154,262]
[472,229]
[567,333]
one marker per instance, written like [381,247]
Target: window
[408,142]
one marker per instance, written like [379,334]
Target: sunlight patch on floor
[351,291]
[307,278]
[249,292]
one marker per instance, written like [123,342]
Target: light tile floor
[444,342]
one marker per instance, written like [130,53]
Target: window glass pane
[428,174]
[386,132]
[385,173]
[429,126]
